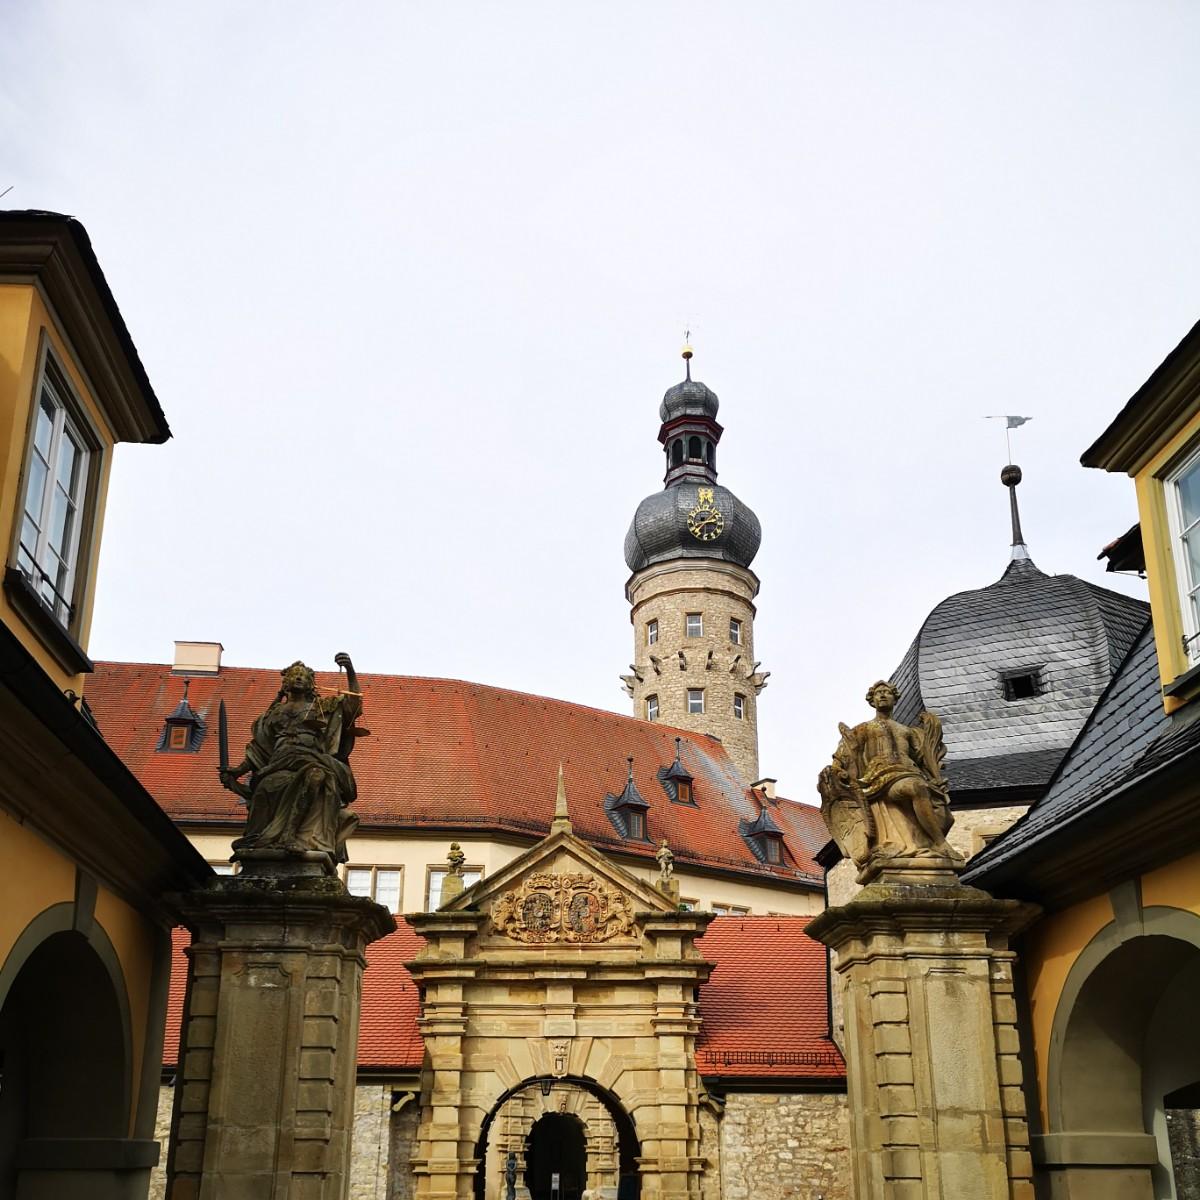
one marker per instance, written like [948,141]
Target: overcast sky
[410,281]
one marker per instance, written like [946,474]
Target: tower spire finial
[562,818]
[687,353]
[1010,477]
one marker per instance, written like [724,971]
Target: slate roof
[763,1011]
[1127,735]
[765,1007]
[1073,633]
[461,757]
[659,529]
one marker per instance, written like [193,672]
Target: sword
[223,745]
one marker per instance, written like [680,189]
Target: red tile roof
[461,757]
[765,1007]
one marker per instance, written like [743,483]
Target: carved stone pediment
[573,906]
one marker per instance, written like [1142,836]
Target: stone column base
[933,1068]
[264,1097]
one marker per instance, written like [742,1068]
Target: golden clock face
[706,521]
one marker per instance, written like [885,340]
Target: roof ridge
[691,734]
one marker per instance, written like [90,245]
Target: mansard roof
[763,1010]
[463,758]
[1127,741]
[1071,634]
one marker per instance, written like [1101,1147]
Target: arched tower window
[712,453]
[677,452]
[694,448]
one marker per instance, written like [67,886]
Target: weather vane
[1010,423]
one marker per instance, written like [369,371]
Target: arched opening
[63,1054]
[677,452]
[556,1158]
[1125,1067]
[695,451]
[711,453]
[602,1152]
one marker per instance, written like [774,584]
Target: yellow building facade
[85,853]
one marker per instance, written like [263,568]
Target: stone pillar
[933,1068]
[264,1097]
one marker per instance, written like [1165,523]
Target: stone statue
[453,884]
[456,858]
[301,783]
[666,861]
[510,1176]
[884,797]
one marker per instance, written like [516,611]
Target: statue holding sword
[301,784]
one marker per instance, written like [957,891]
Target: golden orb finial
[687,351]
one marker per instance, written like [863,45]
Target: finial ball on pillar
[1010,476]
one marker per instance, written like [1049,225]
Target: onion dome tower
[691,591]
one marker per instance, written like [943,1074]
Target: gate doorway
[556,1153]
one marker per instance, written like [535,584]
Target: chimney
[767,785]
[197,658]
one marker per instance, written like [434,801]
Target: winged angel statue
[884,797]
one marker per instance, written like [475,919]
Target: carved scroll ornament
[573,907]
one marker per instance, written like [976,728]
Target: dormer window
[183,730]
[677,779]
[1023,684]
[763,836]
[628,811]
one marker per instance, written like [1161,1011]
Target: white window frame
[739,706]
[652,632]
[442,871]
[373,870]
[31,561]
[687,624]
[1188,589]
[695,712]
[730,910]
[735,631]
[652,709]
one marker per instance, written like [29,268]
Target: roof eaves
[55,249]
[1154,413]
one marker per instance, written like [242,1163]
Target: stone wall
[162,1135]
[404,1125]
[371,1147]
[785,1146]
[718,591]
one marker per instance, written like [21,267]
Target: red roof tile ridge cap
[229,669]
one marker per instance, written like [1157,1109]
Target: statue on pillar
[666,861]
[301,784]
[510,1176]
[884,798]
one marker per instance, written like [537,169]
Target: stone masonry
[932,1051]
[667,592]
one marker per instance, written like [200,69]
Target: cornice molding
[53,253]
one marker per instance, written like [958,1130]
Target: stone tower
[692,592]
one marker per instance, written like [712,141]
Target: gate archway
[610,1145]
[560,972]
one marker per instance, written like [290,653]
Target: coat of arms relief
[568,907]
